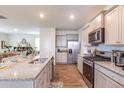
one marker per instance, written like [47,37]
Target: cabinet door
[102,81]
[40,81]
[85,35]
[112,26]
[80,64]
[83,38]
[97,22]
[122,30]
[112,84]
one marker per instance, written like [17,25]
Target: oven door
[88,73]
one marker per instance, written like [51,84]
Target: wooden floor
[69,75]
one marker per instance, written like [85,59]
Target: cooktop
[97,58]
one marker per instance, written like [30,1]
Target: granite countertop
[22,70]
[111,66]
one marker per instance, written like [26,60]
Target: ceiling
[26,18]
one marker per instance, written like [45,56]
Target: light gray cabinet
[61,41]
[61,57]
[80,64]
[105,78]
[103,81]
[100,80]
[114,29]
[97,22]
[85,40]
[44,78]
[112,26]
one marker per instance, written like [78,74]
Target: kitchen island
[27,73]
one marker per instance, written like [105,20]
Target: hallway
[69,75]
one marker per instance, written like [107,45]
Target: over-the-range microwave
[96,37]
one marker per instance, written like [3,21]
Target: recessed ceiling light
[72,16]
[42,15]
[15,30]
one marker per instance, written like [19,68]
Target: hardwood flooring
[69,76]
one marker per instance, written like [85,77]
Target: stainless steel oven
[88,72]
[88,67]
[97,36]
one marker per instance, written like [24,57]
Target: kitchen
[49,56]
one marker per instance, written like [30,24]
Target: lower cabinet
[80,63]
[103,81]
[44,78]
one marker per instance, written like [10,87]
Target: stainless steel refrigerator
[73,50]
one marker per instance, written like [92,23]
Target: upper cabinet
[85,33]
[122,25]
[97,22]
[114,30]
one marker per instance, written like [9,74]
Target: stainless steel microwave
[97,36]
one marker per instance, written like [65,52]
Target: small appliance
[96,37]
[118,57]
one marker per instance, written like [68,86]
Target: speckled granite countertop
[111,66]
[22,70]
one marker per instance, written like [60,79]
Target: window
[37,43]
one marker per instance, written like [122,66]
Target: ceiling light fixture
[42,15]
[72,16]
[15,30]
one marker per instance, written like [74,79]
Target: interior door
[73,50]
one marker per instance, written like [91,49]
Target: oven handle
[88,63]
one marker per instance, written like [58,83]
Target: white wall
[14,39]
[47,42]
[3,37]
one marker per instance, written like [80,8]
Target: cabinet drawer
[114,76]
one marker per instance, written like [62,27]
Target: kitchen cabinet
[103,81]
[114,21]
[112,26]
[105,78]
[80,63]
[61,57]
[85,34]
[44,78]
[122,25]
[97,22]
[100,80]
[61,41]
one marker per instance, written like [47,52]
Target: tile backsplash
[103,47]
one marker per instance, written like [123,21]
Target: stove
[88,68]
[97,58]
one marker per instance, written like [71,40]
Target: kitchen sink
[38,61]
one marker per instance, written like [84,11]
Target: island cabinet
[44,78]
[28,75]
[114,26]
[107,79]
